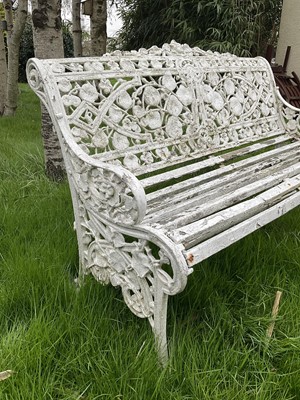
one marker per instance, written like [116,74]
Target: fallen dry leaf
[6,374]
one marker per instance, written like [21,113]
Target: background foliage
[242,27]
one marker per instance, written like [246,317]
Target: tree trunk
[77,32]
[98,27]
[9,18]
[14,37]
[3,72]
[48,43]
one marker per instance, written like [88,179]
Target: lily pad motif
[229,86]
[64,85]
[185,95]
[207,94]
[217,101]
[71,100]
[88,92]
[174,106]
[105,86]
[79,133]
[120,142]
[174,127]
[143,64]
[265,110]
[291,125]
[252,94]
[138,111]
[153,120]
[184,149]
[58,68]
[131,161]
[240,95]
[169,82]
[235,106]
[100,140]
[156,64]
[213,78]
[124,100]
[152,96]
[115,114]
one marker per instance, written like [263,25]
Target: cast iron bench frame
[172,154]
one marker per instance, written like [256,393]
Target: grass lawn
[69,345]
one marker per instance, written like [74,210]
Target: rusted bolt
[190,258]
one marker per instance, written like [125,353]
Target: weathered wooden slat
[205,228]
[211,161]
[186,200]
[157,197]
[222,200]
[226,238]
[198,194]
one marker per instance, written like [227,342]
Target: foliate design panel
[134,121]
[125,261]
[290,119]
[105,191]
[152,108]
[235,105]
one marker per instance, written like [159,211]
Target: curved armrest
[110,190]
[290,115]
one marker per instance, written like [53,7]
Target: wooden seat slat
[203,229]
[227,237]
[178,210]
[179,171]
[213,179]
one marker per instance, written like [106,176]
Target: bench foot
[159,323]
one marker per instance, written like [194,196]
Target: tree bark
[98,27]
[3,72]
[48,43]
[9,18]
[14,37]
[77,32]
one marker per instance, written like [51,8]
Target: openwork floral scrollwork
[112,257]
[290,118]
[111,192]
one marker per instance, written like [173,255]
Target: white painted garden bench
[172,154]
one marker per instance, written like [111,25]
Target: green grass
[68,345]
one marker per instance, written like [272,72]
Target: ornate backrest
[150,108]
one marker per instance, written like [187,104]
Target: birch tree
[48,43]
[76,30]
[3,72]
[14,32]
[98,27]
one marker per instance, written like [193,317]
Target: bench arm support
[109,190]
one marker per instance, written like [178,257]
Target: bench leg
[159,322]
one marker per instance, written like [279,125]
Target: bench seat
[214,194]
